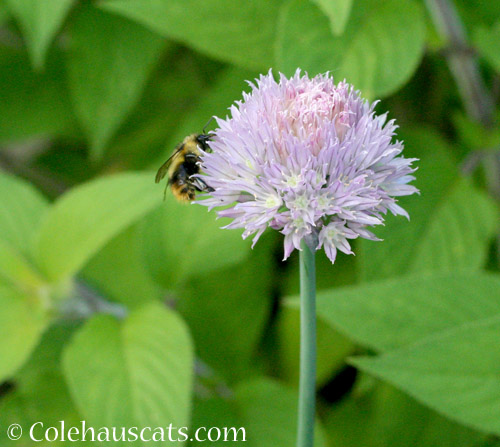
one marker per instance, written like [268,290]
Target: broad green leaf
[268,412]
[21,209]
[39,21]
[217,411]
[337,12]
[456,373]
[16,271]
[236,300]
[474,136]
[378,52]
[486,41]
[459,233]
[4,14]
[472,13]
[393,313]
[32,104]
[180,239]
[86,218]
[172,92]
[22,321]
[384,416]
[227,88]
[236,31]
[332,347]
[343,273]
[451,224]
[262,410]
[137,372]
[118,271]
[109,62]
[40,394]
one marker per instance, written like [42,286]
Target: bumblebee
[182,165]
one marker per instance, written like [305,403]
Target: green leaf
[268,412]
[486,40]
[39,21]
[384,416]
[109,62]
[180,239]
[16,271]
[119,272]
[236,31]
[40,394]
[473,135]
[393,313]
[456,373]
[234,299]
[21,209]
[83,220]
[264,411]
[337,12]
[22,321]
[153,120]
[216,411]
[132,373]
[32,104]
[332,347]
[378,52]
[226,89]
[4,14]
[452,222]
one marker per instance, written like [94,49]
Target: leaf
[109,62]
[216,411]
[173,91]
[233,301]
[21,209]
[337,12]
[332,347]
[40,394]
[83,220]
[135,373]
[394,313]
[22,321]
[17,272]
[456,373]
[235,31]
[452,222]
[378,52]
[180,239]
[268,412]
[226,89]
[486,40]
[39,21]
[263,412]
[119,271]
[384,416]
[32,104]
[4,14]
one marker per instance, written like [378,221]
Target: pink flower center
[309,111]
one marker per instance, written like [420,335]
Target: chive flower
[308,158]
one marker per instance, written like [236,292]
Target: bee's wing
[162,172]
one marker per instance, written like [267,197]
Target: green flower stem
[307,387]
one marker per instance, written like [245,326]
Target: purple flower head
[308,158]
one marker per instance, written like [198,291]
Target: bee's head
[203,140]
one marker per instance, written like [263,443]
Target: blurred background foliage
[126,310]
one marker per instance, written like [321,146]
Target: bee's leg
[200,185]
